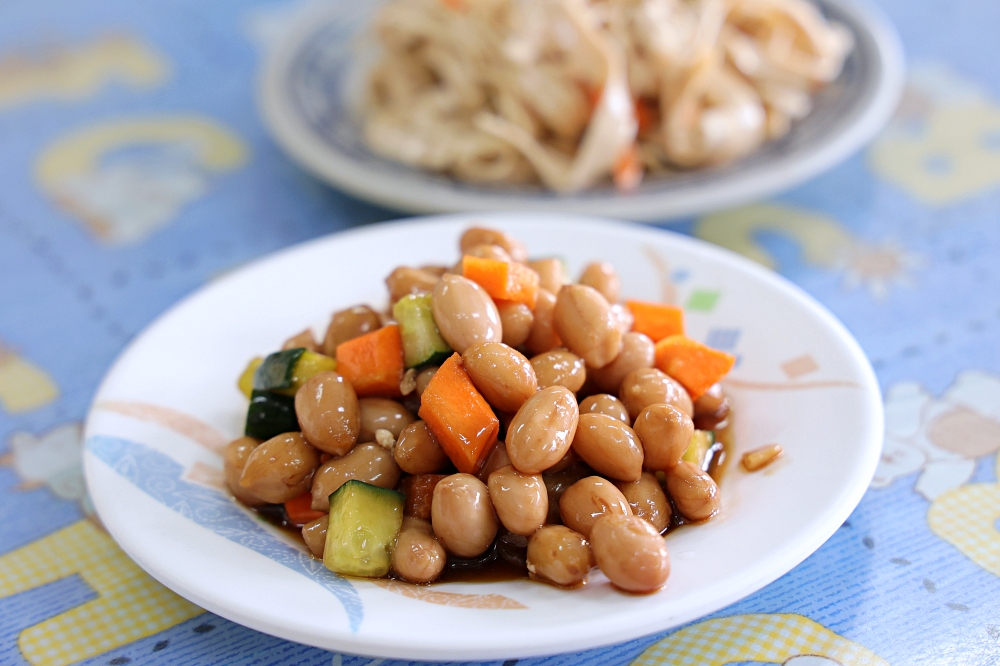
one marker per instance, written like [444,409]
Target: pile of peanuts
[587,471]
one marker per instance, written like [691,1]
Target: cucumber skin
[276,371]
[353,508]
[270,414]
[422,341]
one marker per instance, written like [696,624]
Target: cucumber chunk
[309,365]
[363,526]
[270,414]
[700,449]
[422,342]
[285,371]
[245,382]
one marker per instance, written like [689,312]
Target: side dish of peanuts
[496,413]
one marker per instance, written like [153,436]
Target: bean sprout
[570,92]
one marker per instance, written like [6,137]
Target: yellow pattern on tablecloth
[758,637]
[23,385]
[80,72]
[966,517]
[127,177]
[823,240]
[943,145]
[130,605]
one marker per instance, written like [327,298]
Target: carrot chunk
[628,169]
[373,362]
[300,511]
[657,320]
[647,112]
[419,491]
[503,280]
[696,366]
[459,417]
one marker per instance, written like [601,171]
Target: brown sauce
[505,558]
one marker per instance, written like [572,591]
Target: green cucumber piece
[309,365]
[245,382]
[270,414]
[285,371]
[700,449]
[276,371]
[363,525]
[422,342]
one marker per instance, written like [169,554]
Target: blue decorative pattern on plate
[160,477]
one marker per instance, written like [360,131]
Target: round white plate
[311,84]
[170,403]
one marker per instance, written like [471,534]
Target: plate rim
[309,151]
[825,525]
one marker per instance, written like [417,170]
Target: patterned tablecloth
[134,168]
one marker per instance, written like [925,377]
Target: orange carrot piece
[373,363]
[657,320]
[300,511]
[647,112]
[628,169]
[459,417]
[696,366]
[503,280]
[593,94]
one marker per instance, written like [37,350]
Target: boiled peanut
[405,281]
[694,492]
[234,459]
[638,351]
[483,236]
[382,414]
[502,374]
[647,500]
[559,367]
[551,275]
[418,557]
[583,320]
[609,446]
[520,500]
[328,412]
[516,320]
[417,450]
[631,553]
[602,276]
[557,554]
[349,324]
[304,339]
[542,430]
[587,500]
[367,462]
[462,515]
[649,386]
[665,433]
[603,403]
[281,468]
[465,314]
[314,534]
[543,336]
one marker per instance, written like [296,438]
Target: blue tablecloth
[134,167]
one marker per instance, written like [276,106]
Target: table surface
[135,168]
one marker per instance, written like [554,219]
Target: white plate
[170,402]
[311,83]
